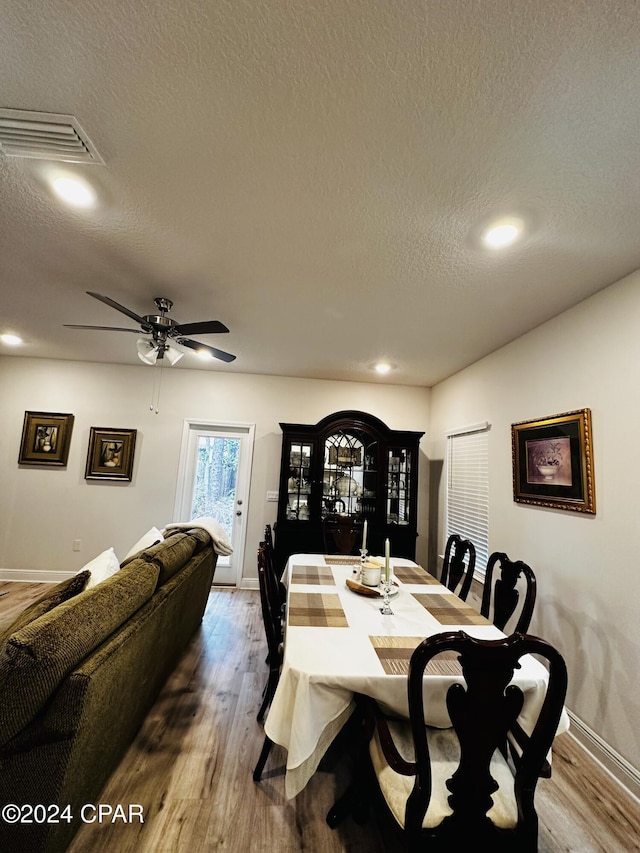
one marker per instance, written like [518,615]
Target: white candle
[364,535]
[387,572]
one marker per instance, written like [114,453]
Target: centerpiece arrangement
[371,577]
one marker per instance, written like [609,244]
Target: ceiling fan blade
[103,328]
[117,306]
[206,327]
[216,353]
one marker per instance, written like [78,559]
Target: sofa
[79,670]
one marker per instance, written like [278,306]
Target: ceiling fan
[164,331]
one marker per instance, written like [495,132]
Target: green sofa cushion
[55,595]
[173,553]
[38,656]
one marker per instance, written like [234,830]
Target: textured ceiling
[316,175]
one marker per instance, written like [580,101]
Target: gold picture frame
[110,454]
[553,462]
[46,437]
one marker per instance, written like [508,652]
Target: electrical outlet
[76,544]
[272,496]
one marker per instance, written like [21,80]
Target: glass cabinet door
[342,474]
[370,480]
[299,481]
[399,486]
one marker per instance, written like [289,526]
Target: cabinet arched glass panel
[347,463]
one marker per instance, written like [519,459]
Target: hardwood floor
[191,763]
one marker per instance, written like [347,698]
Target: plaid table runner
[312,575]
[316,610]
[411,574]
[394,654]
[340,560]
[449,610]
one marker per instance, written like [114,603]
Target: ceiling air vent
[45,136]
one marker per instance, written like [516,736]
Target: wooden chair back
[271,617]
[277,590]
[484,714]
[501,595]
[459,564]
[268,537]
[342,534]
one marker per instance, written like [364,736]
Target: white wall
[587,569]
[43,510]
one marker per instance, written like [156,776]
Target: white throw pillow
[102,567]
[150,538]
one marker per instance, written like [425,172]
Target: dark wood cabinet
[348,464]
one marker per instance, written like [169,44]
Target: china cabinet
[349,464]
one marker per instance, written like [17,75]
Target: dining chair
[458,565]
[472,784]
[500,597]
[278,590]
[341,534]
[271,616]
[273,627]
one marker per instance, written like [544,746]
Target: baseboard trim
[249,583]
[34,575]
[620,770]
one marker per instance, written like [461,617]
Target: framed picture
[46,437]
[110,454]
[343,455]
[553,462]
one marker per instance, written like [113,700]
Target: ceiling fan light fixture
[147,352]
[173,355]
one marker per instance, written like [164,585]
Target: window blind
[468,489]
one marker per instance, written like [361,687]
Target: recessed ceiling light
[11,340]
[382,367]
[74,191]
[502,234]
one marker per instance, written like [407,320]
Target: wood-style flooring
[191,763]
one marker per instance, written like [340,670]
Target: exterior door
[213,481]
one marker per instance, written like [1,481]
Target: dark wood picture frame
[553,462]
[46,437]
[110,454]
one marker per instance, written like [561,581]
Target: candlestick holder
[386,609]
[357,569]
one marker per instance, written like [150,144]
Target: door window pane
[214,489]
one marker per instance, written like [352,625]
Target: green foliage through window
[215,479]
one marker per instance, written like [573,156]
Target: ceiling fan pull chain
[155,389]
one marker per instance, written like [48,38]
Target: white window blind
[468,489]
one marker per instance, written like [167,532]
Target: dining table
[338,643]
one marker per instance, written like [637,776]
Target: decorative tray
[371,591]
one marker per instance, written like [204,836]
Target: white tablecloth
[324,666]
